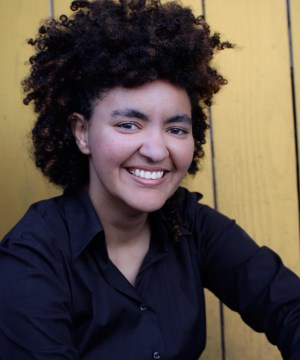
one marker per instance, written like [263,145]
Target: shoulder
[41,215]
[196,214]
[43,228]
[61,226]
[213,233]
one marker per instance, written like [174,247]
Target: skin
[140,144]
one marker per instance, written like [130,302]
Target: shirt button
[143,307]
[156,355]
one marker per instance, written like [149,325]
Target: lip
[148,168]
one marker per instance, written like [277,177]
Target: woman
[115,267]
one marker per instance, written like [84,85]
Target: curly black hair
[107,43]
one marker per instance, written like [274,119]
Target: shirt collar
[84,224]
[82,220]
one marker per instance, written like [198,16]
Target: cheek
[182,154]
[185,155]
[110,150]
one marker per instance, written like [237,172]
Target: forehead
[155,96]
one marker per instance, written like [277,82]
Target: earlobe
[79,126]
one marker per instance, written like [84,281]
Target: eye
[128,126]
[178,131]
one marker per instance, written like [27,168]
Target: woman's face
[140,145]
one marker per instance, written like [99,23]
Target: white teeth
[153,175]
[148,175]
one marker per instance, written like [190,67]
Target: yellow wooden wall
[253,138]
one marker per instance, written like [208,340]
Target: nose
[154,147]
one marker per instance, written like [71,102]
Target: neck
[121,224]
[127,234]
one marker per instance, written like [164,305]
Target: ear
[79,126]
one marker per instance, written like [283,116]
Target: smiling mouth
[149,175]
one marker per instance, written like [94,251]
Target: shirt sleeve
[251,280]
[35,319]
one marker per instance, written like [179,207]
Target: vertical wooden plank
[20,183]
[295,30]
[255,143]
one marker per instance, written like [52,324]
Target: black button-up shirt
[62,298]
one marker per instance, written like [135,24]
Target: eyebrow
[182,118]
[132,113]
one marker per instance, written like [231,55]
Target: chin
[150,206]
